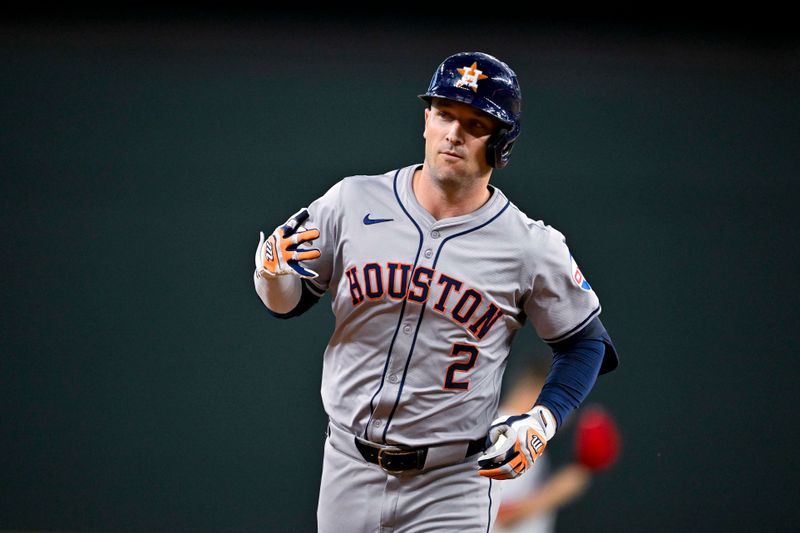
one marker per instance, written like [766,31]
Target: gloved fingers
[303,236]
[302,271]
[291,243]
[508,470]
[498,431]
[519,464]
[503,450]
[279,254]
[511,463]
[294,221]
[509,420]
[305,254]
[501,472]
[501,443]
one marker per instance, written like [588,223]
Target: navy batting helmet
[484,82]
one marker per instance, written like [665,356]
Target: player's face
[455,140]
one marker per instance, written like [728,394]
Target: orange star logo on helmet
[470,76]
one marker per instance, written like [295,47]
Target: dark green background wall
[145,388]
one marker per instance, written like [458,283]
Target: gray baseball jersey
[426,310]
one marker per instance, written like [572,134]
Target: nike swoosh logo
[368,221]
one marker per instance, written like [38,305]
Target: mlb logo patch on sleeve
[577,275]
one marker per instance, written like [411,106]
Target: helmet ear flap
[498,148]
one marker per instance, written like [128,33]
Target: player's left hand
[517,441]
[278,254]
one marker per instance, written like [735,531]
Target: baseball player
[431,271]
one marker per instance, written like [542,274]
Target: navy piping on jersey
[402,311]
[422,312]
[439,251]
[594,328]
[576,328]
[489,514]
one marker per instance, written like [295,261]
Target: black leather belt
[396,459]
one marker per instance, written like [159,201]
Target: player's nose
[455,133]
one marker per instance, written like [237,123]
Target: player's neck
[447,200]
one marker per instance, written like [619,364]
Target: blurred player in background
[529,504]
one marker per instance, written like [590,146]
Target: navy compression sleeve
[572,375]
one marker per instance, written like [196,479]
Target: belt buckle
[390,450]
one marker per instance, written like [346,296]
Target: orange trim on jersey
[462,324]
[478,297]
[425,286]
[449,283]
[470,364]
[356,292]
[378,278]
[485,322]
[405,269]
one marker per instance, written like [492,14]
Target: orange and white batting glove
[517,441]
[278,254]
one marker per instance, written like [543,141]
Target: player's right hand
[278,254]
[517,441]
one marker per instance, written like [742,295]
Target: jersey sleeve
[324,215]
[561,301]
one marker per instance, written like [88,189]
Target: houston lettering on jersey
[465,306]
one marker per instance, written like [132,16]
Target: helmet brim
[482,104]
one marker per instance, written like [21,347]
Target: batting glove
[517,441]
[278,254]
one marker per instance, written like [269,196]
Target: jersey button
[428,253]
[377,423]
[406,329]
[393,378]
[435,234]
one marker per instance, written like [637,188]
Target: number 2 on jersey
[460,366]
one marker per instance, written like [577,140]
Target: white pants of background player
[357,496]
[516,490]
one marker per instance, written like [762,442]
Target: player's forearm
[560,489]
[572,376]
[563,487]
[280,294]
